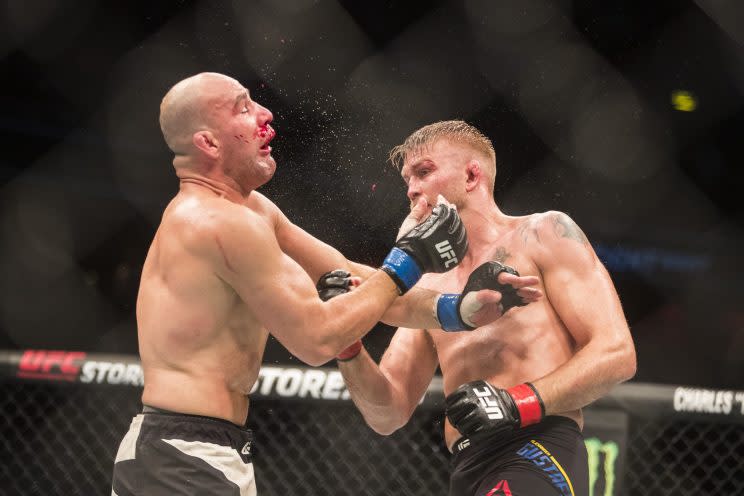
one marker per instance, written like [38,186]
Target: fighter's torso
[524,344]
[200,345]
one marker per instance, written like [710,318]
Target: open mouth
[269,134]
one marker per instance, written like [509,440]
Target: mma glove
[333,283]
[330,285]
[455,311]
[436,245]
[479,408]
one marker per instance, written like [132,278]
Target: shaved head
[185,108]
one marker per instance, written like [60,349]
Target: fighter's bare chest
[509,250]
[498,337]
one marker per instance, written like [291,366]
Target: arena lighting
[684,101]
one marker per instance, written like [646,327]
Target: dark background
[627,115]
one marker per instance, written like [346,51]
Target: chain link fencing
[59,437]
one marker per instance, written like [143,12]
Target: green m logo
[595,449]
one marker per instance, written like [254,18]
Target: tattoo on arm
[567,228]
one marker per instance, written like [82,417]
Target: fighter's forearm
[415,309]
[590,374]
[348,317]
[373,394]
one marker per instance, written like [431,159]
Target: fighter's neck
[485,224]
[222,187]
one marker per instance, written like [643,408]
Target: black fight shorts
[166,453]
[543,459]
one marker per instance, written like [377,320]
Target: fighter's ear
[206,142]
[474,174]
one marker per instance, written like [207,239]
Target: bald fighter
[515,387]
[225,268]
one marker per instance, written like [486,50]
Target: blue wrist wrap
[448,314]
[401,265]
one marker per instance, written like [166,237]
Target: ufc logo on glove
[490,406]
[445,251]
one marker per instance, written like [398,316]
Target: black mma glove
[436,245]
[453,317]
[479,408]
[332,284]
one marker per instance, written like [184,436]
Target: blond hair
[458,132]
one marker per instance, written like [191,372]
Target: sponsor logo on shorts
[541,457]
[246,449]
[50,365]
[490,405]
[500,489]
[463,444]
[446,253]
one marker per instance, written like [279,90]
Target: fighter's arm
[582,293]
[387,394]
[281,294]
[419,307]
[413,309]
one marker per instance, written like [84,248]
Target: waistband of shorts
[151,410]
[551,421]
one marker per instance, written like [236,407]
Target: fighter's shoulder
[201,222]
[549,227]
[266,208]
[554,239]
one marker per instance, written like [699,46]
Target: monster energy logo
[595,449]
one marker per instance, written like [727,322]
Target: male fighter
[515,387]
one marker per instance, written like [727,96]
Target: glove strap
[350,352]
[448,313]
[529,404]
[402,269]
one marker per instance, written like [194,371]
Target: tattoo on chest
[567,228]
[500,255]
